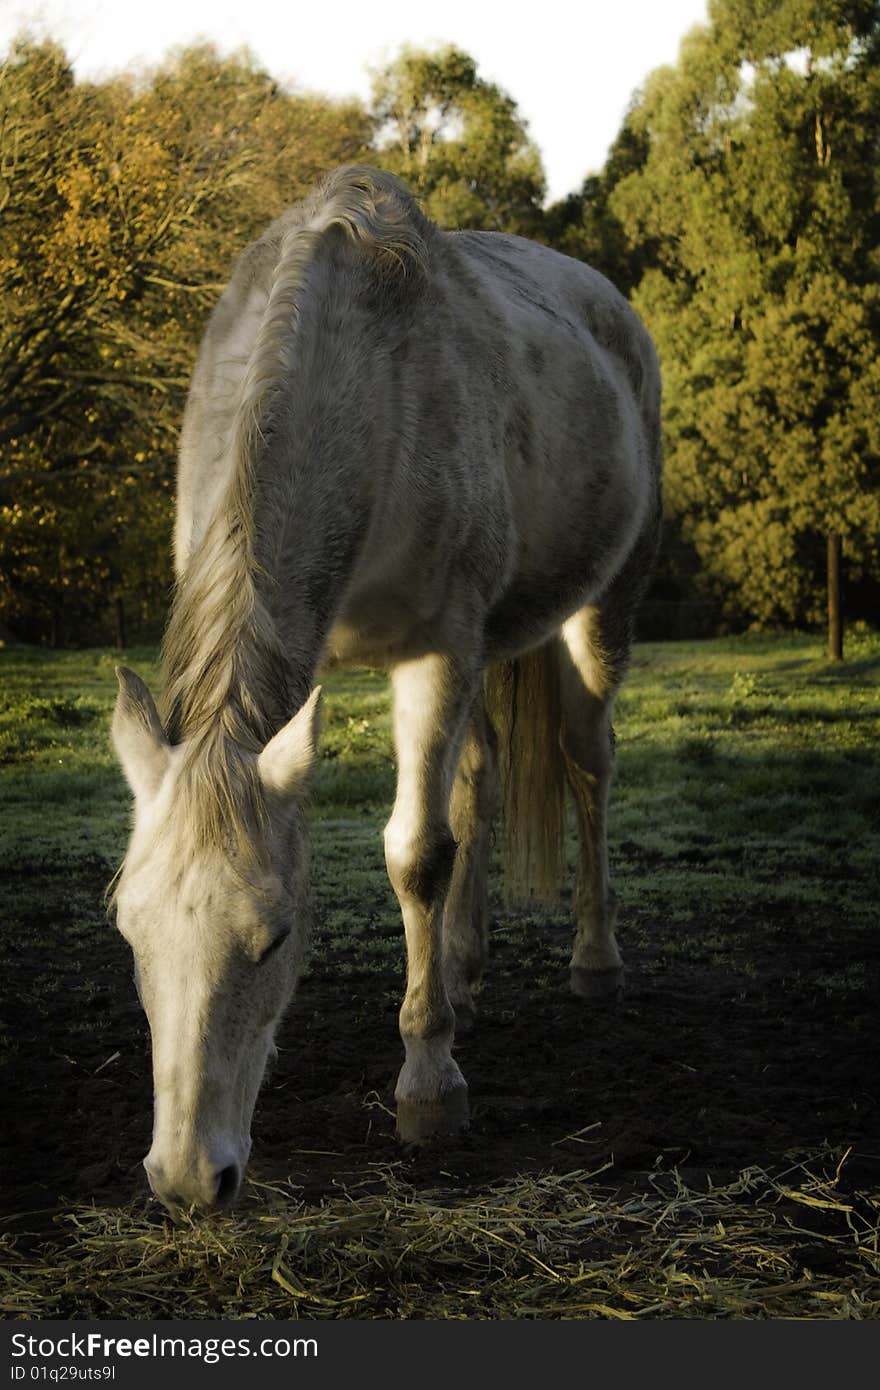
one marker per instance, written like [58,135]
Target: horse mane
[228,684]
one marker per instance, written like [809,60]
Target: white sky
[571,65]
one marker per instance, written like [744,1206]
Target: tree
[759,200]
[458,141]
[125,203]
[583,225]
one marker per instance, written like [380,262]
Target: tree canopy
[757,205]
[124,204]
[738,206]
[459,142]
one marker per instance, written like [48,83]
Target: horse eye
[273,946]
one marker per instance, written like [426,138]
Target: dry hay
[762,1246]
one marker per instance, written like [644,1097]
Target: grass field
[710,1147]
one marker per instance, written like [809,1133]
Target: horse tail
[523,703]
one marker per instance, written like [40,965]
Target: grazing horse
[437,452]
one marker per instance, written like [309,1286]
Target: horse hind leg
[593,655]
[474,803]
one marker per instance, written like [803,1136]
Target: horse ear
[138,736]
[287,759]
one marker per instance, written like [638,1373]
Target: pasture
[708,1147]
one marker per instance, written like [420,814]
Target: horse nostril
[227,1185]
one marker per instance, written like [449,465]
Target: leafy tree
[458,141]
[759,201]
[125,203]
[583,225]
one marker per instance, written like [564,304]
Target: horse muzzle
[205,1182]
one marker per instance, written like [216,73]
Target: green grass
[746,791]
[748,740]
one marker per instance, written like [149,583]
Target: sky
[570,65]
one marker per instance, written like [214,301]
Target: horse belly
[397,605]
[379,632]
[578,509]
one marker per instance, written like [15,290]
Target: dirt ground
[715,1059]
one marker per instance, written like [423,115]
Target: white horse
[433,451]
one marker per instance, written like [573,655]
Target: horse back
[573,387]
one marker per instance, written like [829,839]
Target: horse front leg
[433,697]
[473,806]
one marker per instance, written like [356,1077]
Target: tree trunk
[835,625]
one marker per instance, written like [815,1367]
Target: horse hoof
[418,1121]
[597,985]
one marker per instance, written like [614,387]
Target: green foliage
[758,200]
[739,206]
[583,225]
[459,142]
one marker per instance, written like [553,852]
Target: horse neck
[253,609]
[260,593]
